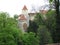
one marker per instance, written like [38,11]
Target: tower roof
[22,17]
[24,8]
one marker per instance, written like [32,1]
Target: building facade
[23,19]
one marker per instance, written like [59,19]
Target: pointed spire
[24,8]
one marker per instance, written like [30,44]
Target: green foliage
[3,17]
[32,27]
[44,34]
[51,23]
[30,39]
[9,33]
[15,16]
[51,20]
[46,26]
[7,39]
[10,36]
[38,19]
[50,0]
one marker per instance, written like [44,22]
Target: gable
[22,17]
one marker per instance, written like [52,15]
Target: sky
[15,6]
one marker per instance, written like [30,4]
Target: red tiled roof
[22,17]
[24,8]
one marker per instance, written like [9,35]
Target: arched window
[25,27]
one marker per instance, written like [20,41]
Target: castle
[23,19]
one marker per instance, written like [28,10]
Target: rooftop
[22,17]
[24,8]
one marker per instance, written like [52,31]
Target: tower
[23,19]
[25,10]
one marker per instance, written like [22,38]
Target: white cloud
[15,6]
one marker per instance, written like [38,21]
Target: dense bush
[9,36]
[9,33]
[30,39]
[45,29]
[32,27]
[44,35]
[51,23]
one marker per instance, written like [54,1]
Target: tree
[32,27]
[30,39]
[44,35]
[15,16]
[9,33]
[51,23]
[3,19]
[39,19]
[44,27]
[57,38]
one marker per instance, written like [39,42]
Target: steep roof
[22,17]
[24,8]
